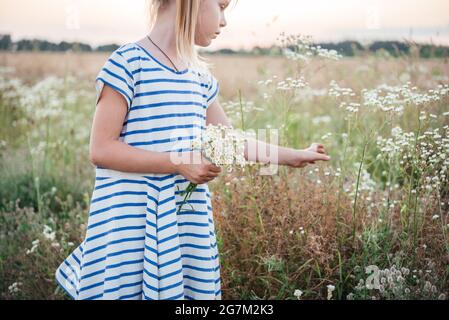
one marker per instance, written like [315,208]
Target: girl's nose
[223,22]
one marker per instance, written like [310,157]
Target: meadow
[372,223]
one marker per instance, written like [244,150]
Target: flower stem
[188,191]
[356,192]
[241,110]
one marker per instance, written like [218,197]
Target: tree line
[345,48]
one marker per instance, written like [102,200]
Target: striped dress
[136,245]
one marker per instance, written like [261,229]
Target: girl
[153,97]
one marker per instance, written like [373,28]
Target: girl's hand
[316,147]
[198,173]
[301,158]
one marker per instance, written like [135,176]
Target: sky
[250,22]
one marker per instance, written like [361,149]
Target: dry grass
[265,254]
[360,72]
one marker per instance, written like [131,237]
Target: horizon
[325,20]
[335,42]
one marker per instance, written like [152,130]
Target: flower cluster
[392,99]
[349,106]
[398,283]
[223,146]
[428,153]
[46,92]
[336,91]
[10,87]
[34,246]
[46,113]
[14,288]
[284,85]
[48,233]
[300,47]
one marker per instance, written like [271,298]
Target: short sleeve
[116,73]
[213,89]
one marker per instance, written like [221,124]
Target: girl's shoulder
[128,53]
[118,72]
[123,58]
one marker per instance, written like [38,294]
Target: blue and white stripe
[136,245]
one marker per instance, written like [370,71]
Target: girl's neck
[164,35]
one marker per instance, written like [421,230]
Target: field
[372,223]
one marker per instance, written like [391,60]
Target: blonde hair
[186,18]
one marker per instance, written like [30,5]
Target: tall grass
[382,201]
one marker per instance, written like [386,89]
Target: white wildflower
[298,293]
[300,47]
[34,246]
[14,288]
[330,289]
[48,233]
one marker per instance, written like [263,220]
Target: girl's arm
[286,156]
[107,151]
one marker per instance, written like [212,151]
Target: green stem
[412,174]
[415,223]
[35,177]
[188,192]
[241,110]
[442,221]
[341,175]
[354,208]
[47,135]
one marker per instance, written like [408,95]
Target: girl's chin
[204,43]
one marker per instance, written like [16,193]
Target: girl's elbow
[93,158]
[95,155]
[100,151]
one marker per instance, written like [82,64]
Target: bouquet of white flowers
[222,145]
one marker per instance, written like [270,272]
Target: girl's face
[210,20]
